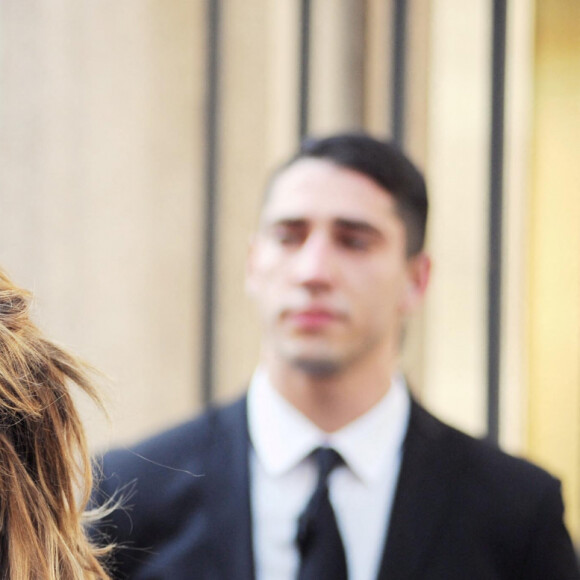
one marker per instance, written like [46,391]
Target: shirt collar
[282,436]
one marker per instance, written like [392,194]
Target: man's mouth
[313,318]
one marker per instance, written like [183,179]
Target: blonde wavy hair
[45,467]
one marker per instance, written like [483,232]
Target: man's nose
[315,263]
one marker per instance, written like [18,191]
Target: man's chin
[317,368]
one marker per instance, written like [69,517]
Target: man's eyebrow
[282,222]
[286,221]
[358,225]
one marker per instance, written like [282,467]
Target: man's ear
[419,273]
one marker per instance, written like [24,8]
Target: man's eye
[354,242]
[288,237]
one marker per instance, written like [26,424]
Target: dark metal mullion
[211,189]
[495,216]
[304,88]
[398,71]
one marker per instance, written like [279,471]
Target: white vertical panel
[457,170]
[243,141]
[378,66]
[518,135]
[337,66]
[283,28]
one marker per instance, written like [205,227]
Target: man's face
[328,268]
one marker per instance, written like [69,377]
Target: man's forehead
[320,188]
[316,171]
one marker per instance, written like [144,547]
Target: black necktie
[321,551]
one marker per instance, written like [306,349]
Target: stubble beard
[323,366]
[317,368]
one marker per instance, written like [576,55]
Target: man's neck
[331,402]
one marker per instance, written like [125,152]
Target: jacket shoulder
[497,505]
[492,477]
[159,484]
[473,450]
[178,453]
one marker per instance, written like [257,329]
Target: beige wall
[101,187]
[553,321]
[102,151]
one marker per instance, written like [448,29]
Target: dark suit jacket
[462,510]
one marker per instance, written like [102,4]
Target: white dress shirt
[283,477]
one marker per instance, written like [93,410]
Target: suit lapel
[423,496]
[228,507]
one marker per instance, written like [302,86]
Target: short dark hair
[386,165]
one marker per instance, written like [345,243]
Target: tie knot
[326,459]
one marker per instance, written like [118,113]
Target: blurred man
[328,468]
